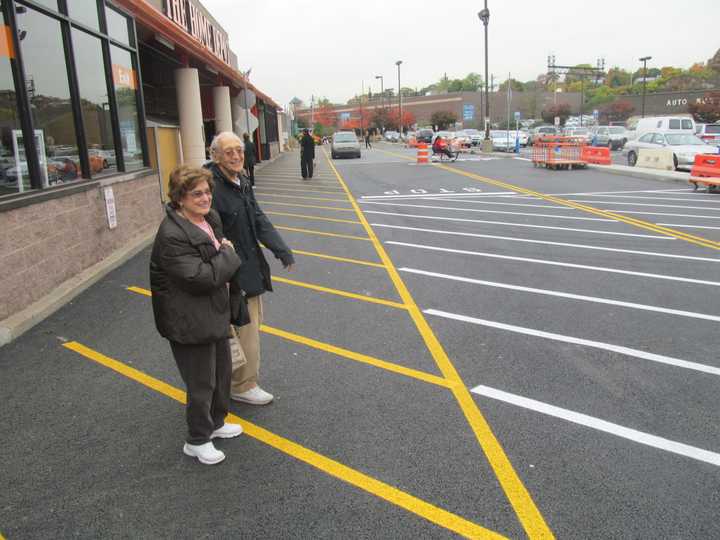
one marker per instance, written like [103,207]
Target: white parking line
[715,201]
[569,296]
[478,201]
[613,192]
[441,195]
[635,353]
[556,263]
[485,211]
[644,204]
[688,226]
[547,242]
[634,435]
[510,224]
[665,214]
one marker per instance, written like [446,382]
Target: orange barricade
[706,171]
[558,153]
[597,155]
[422,153]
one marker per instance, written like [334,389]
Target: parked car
[675,124]
[447,135]
[424,136]
[710,133]
[540,132]
[580,133]
[392,136]
[684,147]
[345,143]
[614,137]
[502,140]
[524,136]
[461,140]
[476,136]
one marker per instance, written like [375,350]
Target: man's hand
[289,267]
[227,243]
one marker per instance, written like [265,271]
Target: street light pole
[644,60]
[400,122]
[382,99]
[484,16]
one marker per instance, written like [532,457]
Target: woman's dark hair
[183,180]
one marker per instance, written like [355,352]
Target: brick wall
[44,244]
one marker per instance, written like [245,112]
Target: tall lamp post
[382,98]
[644,60]
[399,98]
[484,16]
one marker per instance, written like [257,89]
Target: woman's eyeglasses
[199,193]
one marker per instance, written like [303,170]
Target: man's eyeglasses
[199,193]
[229,152]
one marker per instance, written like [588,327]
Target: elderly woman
[190,267]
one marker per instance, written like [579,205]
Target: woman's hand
[227,243]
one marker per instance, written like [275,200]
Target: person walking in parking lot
[368,143]
[190,268]
[440,146]
[307,154]
[247,226]
[249,158]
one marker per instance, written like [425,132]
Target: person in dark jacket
[190,268]
[249,158]
[246,225]
[307,154]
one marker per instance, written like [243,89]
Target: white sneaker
[227,431]
[254,396]
[206,453]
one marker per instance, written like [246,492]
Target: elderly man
[246,226]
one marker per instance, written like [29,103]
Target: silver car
[613,137]
[345,143]
[684,147]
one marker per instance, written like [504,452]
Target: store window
[85,12]
[52,4]
[46,81]
[126,84]
[13,168]
[118,26]
[94,103]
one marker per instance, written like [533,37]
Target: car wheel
[632,159]
[333,155]
[675,162]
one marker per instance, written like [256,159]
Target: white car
[684,147]
[344,143]
[502,140]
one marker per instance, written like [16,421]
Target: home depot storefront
[99,99]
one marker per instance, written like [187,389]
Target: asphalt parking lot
[479,348]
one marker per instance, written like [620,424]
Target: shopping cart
[558,153]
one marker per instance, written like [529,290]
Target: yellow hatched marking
[520,499]
[273,203]
[322,233]
[298,190]
[282,182]
[338,292]
[139,290]
[334,258]
[342,472]
[314,218]
[301,197]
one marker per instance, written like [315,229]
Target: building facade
[99,101]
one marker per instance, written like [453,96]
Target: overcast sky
[330,47]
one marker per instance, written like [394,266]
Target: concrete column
[187,87]
[223,112]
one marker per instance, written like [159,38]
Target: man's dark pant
[306,167]
[251,174]
[206,370]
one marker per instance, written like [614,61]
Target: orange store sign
[191,18]
[124,77]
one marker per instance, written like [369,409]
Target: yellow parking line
[334,258]
[321,233]
[520,499]
[301,197]
[139,290]
[315,218]
[283,182]
[342,472]
[266,203]
[338,292]
[358,357]
[299,190]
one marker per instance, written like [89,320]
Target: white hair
[215,144]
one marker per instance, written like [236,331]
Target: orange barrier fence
[558,153]
[596,155]
[422,153]
[706,171]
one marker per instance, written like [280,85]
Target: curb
[22,321]
[644,174]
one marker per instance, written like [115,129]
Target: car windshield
[713,128]
[345,137]
[498,134]
[617,130]
[683,138]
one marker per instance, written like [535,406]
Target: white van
[672,124]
